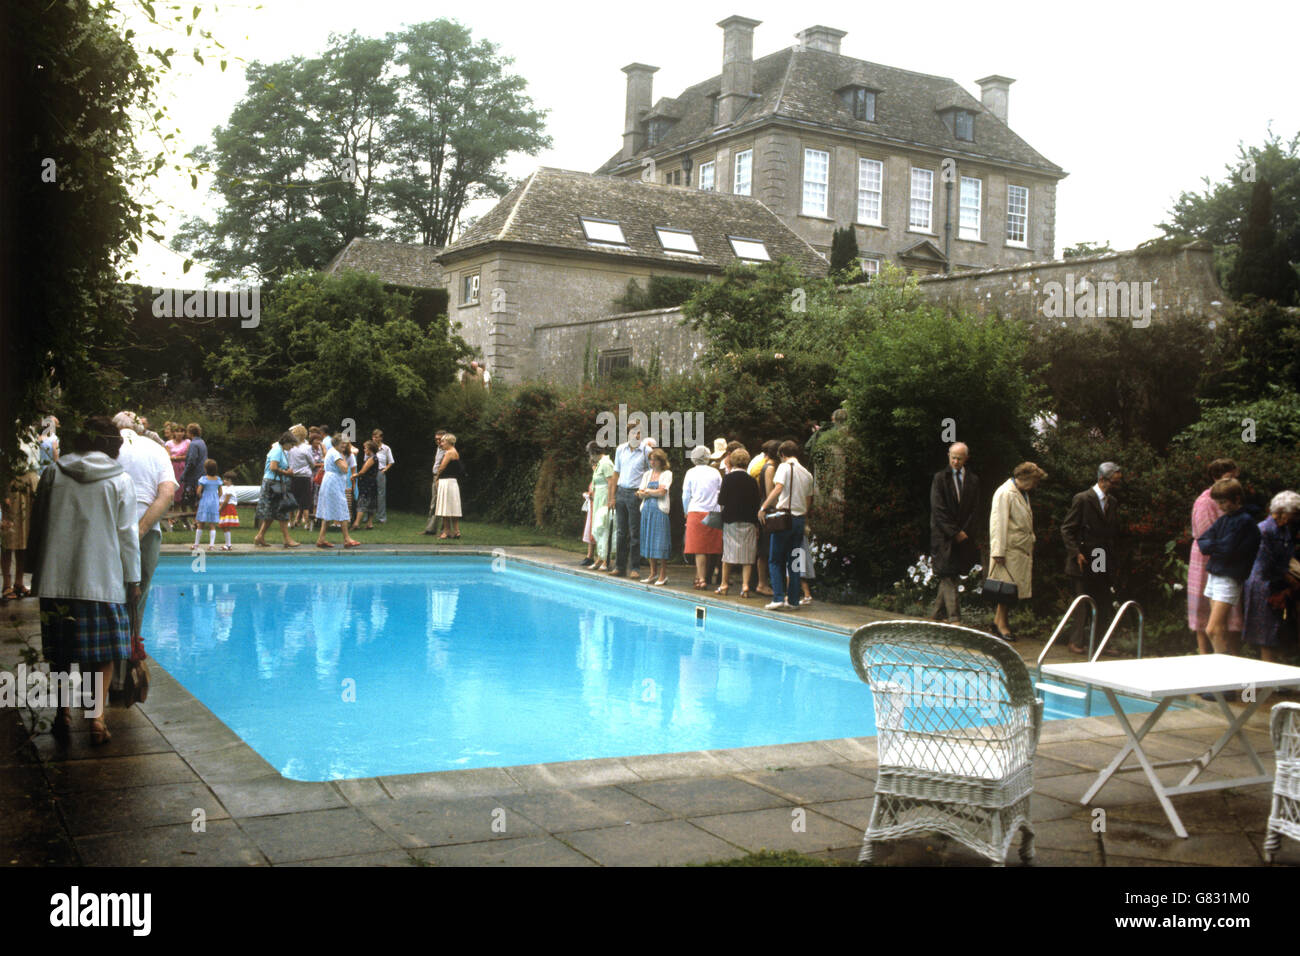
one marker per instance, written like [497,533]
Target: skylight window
[677,240]
[603,230]
[752,249]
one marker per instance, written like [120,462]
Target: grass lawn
[403,527]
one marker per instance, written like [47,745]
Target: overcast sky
[1135,100]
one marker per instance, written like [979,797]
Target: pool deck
[175,787]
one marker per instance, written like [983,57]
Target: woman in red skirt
[699,500]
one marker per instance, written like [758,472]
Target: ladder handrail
[1115,623]
[1092,627]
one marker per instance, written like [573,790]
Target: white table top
[1158,677]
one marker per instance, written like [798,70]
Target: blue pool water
[358,666]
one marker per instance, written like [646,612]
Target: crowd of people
[1243,578]
[86,521]
[743,513]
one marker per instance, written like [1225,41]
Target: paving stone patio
[176,787]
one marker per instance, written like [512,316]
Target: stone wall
[1179,280]
[653,335]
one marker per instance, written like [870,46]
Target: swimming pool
[369,665]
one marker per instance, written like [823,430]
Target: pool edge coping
[171,695]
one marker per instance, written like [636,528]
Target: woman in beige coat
[1011,538]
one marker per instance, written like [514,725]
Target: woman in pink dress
[177,446]
[1204,513]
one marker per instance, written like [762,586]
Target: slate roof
[801,84]
[397,263]
[545,211]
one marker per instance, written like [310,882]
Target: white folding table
[1166,679]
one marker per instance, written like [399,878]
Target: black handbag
[780,519]
[1001,591]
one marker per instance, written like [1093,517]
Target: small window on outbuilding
[469,285]
[752,250]
[677,240]
[603,230]
[610,361]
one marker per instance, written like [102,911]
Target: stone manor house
[764,160]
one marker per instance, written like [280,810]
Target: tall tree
[1219,212]
[376,137]
[462,113]
[1262,268]
[80,149]
[298,164]
[844,251]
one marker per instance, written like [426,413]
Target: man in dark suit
[954,501]
[1090,531]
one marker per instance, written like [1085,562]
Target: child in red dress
[229,517]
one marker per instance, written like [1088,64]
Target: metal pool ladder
[1085,695]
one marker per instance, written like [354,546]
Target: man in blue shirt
[630,462]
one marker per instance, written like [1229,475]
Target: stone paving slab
[853,813]
[234,763]
[451,784]
[701,796]
[1157,841]
[520,851]
[111,811]
[781,829]
[811,784]
[391,858]
[126,740]
[575,773]
[271,796]
[113,773]
[670,843]
[560,811]
[316,834]
[224,844]
[418,822]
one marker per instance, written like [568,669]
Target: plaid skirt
[275,502]
[87,632]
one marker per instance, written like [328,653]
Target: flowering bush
[916,592]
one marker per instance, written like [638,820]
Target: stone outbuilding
[534,282]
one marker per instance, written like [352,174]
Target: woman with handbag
[703,515]
[276,501]
[1011,544]
[790,499]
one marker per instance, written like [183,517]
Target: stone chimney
[737,67]
[640,80]
[993,94]
[821,38]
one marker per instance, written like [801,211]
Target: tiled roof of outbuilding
[801,84]
[546,209]
[397,263]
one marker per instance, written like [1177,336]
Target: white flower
[912,569]
[1178,587]
[961,588]
[976,569]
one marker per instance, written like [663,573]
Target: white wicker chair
[957,723]
[1284,819]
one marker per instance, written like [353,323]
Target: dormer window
[713,111]
[861,102]
[606,231]
[964,125]
[656,130]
